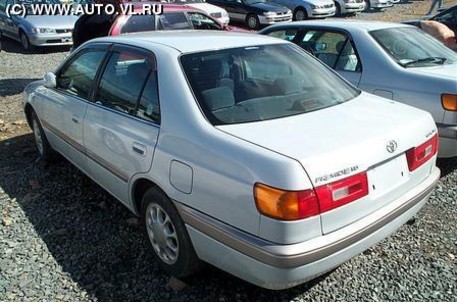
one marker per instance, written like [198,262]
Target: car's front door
[122,124]
[7,24]
[64,107]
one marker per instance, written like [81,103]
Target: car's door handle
[75,119]
[139,148]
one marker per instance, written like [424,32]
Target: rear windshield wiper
[437,60]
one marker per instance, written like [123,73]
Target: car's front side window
[77,77]
[129,85]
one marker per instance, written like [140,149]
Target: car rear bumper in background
[276,266]
[354,7]
[448,140]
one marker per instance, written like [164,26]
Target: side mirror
[50,80]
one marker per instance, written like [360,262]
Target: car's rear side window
[137,23]
[129,85]
[77,77]
[178,20]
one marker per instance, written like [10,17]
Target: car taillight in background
[293,205]
[419,155]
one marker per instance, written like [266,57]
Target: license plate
[388,176]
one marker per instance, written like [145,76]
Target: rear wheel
[252,21]
[300,14]
[170,242]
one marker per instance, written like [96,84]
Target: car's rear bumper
[354,7]
[448,140]
[276,266]
[382,5]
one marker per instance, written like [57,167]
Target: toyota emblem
[391,146]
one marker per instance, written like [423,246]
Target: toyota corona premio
[242,151]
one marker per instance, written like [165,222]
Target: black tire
[337,9]
[252,21]
[45,151]
[367,6]
[168,237]
[300,14]
[25,42]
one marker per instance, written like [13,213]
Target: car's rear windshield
[411,47]
[261,82]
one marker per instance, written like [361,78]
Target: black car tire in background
[252,20]
[300,14]
[25,42]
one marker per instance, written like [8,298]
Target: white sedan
[241,150]
[395,61]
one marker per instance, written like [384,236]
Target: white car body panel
[209,172]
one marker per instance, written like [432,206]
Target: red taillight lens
[416,157]
[341,192]
[293,205]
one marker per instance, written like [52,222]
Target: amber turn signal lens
[285,205]
[449,102]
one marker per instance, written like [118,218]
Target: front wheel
[25,42]
[300,14]
[170,242]
[252,21]
[367,5]
[45,151]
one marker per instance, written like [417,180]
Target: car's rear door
[122,123]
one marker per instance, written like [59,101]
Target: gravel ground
[64,238]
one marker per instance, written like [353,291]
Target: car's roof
[186,41]
[350,25]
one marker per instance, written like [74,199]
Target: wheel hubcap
[300,15]
[252,22]
[38,138]
[162,234]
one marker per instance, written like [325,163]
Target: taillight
[293,205]
[285,205]
[343,191]
[417,156]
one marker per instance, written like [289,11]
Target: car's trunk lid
[346,139]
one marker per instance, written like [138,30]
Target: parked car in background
[396,61]
[349,6]
[212,165]
[254,12]
[448,17]
[174,17]
[214,11]
[377,4]
[36,30]
[306,9]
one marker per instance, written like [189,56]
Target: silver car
[308,9]
[395,61]
[36,30]
[241,150]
